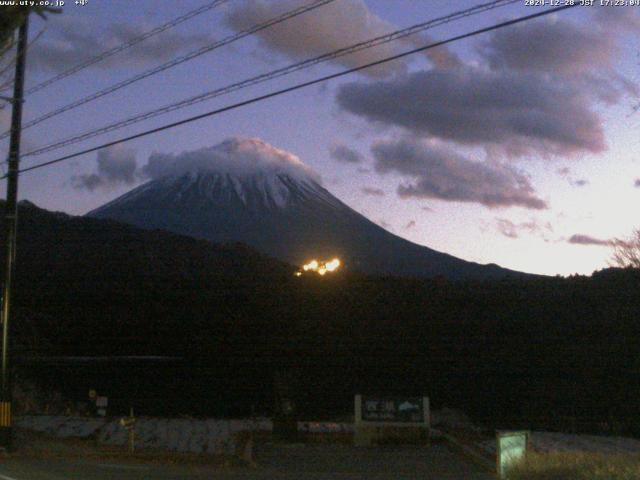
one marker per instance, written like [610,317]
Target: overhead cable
[301,85]
[172,63]
[305,64]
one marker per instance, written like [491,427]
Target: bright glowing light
[312,265]
[321,268]
[332,265]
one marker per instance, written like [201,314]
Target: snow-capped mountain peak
[245,190]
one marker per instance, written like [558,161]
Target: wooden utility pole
[10,225]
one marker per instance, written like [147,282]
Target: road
[285,462]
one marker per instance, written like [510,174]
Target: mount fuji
[244,190]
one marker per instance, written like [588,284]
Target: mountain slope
[90,287]
[278,207]
[97,287]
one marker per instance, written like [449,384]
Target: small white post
[358,410]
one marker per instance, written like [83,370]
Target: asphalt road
[288,462]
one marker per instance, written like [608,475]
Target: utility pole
[11,224]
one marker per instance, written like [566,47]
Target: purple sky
[516,147]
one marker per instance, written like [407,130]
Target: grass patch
[577,466]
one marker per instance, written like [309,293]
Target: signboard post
[374,414]
[129,424]
[511,449]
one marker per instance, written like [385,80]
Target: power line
[134,41]
[302,85]
[177,61]
[374,42]
[6,84]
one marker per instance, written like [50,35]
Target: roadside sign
[376,417]
[511,449]
[102,402]
[397,410]
[93,394]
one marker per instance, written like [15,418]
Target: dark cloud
[363,170]
[116,166]
[580,182]
[637,183]
[518,112]
[520,99]
[569,48]
[586,59]
[71,40]
[410,225]
[344,154]
[617,19]
[513,230]
[328,28]
[439,172]
[580,239]
[428,209]
[374,192]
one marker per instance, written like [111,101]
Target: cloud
[507,228]
[580,239]
[517,112]
[617,19]
[344,154]
[637,183]
[587,57]
[428,209]
[410,225]
[441,57]
[237,155]
[565,172]
[574,49]
[516,99]
[71,40]
[374,192]
[327,28]
[363,170]
[513,230]
[439,172]
[116,166]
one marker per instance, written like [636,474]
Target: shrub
[577,466]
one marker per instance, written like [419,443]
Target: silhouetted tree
[626,252]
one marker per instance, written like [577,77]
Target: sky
[516,147]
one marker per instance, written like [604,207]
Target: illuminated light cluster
[321,268]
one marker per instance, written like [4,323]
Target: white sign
[512,449]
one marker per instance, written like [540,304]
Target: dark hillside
[546,350]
